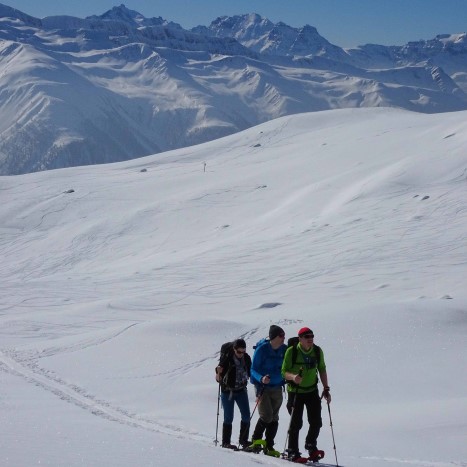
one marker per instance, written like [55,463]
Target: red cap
[304,331]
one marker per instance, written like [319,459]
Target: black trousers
[312,402]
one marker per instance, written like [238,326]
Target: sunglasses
[240,351]
[281,335]
[307,336]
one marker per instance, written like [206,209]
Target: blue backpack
[260,343]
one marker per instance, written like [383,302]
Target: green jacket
[307,361]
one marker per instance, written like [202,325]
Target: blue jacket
[267,361]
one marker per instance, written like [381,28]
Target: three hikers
[274,364]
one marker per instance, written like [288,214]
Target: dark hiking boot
[271,431]
[229,446]
[244,433]
[259,430]
[297,458]
[226,435]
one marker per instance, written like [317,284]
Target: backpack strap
[294,354]
[318,353]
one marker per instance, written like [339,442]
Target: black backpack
[226,350]
[293,342]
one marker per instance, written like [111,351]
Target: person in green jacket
[301,367]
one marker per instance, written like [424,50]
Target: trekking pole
[218,405]
[332,431]
[291,415]
[258,400]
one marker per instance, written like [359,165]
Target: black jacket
[228,370]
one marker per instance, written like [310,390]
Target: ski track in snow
[73,394]
[24,364]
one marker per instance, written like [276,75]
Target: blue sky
[343,22]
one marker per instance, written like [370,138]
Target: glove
[326,394]
[219,371]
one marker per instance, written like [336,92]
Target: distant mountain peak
[123,13]
[247,18]
[309,30]
[132,18]
[263,36]
[9,12]
[241,26]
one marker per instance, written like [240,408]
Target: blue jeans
[228,403]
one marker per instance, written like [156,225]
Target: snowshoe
[257,445]
[230,446]
[271,452]
[316,455]
[294,457]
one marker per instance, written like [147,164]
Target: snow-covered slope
[119,86]
[120,282]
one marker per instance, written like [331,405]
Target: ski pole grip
[299,374]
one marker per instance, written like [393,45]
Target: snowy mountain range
[119,86]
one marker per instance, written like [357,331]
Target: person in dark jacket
[232,374]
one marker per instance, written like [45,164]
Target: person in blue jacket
[267,378]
